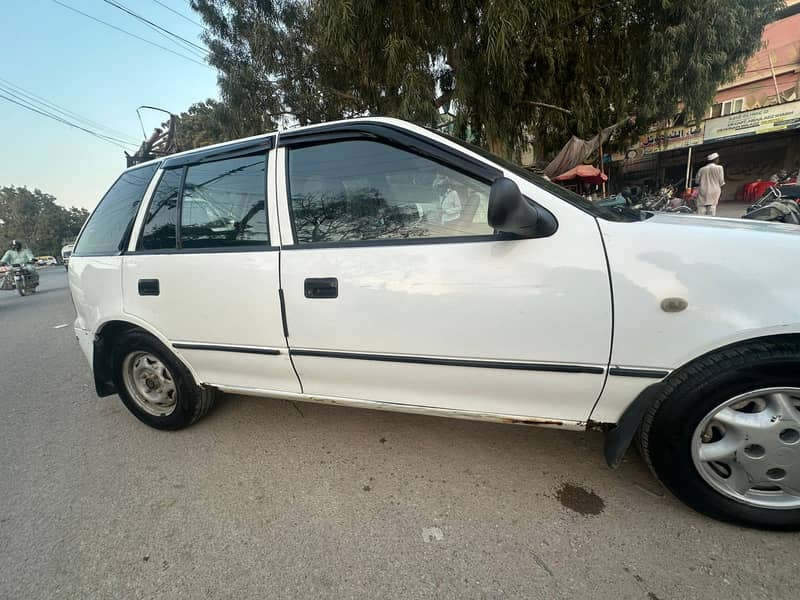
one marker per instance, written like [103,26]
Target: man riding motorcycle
[18,255]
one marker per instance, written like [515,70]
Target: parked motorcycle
[666,200]
[19,278]
[774,206]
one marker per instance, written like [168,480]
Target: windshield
[623,214]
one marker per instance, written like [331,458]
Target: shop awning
[584,173]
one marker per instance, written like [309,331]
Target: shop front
[753,146]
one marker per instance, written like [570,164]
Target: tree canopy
[34,218]
[499,66]
[210,122]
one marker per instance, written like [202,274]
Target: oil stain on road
[579,499]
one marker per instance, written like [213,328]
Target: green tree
[211,122]
[36,219]
[498,65]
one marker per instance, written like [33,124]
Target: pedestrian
[449,200]
[710,178]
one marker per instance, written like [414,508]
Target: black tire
[691,393]
[192,401]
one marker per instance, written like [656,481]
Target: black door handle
[322,287]
[149,287]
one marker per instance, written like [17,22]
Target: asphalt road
[260,501]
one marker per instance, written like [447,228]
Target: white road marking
[61,326]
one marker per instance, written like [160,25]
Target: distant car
[44,261]
[373,263]
[66,252]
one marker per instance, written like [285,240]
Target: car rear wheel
[724,435]
[155,386]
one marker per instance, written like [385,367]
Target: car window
[161,219]
[602,212]
[109,226]
[224,204]
[367,190]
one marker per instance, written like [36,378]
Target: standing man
[449,201]
[710,178]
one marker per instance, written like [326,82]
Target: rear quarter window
[109,226]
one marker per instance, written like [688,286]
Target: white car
[46,261]
[377,264]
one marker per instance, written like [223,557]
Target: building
[753,123]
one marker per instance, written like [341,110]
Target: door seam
[276,202]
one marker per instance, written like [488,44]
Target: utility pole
[689,171]
[602,168]
[774,79]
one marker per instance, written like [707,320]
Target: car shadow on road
[540,459]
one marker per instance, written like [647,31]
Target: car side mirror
[510,212]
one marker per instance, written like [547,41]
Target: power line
[58,117]
[88,16]
[185,46]
[47,113]
[181,15]
[65,122]
[149,22]
[794,62]
[11,87]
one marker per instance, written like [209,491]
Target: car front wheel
[724,435]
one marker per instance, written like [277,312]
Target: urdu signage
[671,138]
[770,119]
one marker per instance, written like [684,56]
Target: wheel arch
[618,439]
[106,337]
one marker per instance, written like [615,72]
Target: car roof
[293,130]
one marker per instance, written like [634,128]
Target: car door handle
[322,287]
[149,287]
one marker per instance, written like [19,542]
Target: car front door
[203,270]
[397,291]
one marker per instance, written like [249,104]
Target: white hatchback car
[374,263]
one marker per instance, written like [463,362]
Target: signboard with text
[662,140]
[780,117]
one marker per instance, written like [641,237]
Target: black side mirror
[510,212]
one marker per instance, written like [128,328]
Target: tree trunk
[498,145]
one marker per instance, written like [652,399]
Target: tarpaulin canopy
[576,150]
[584,173]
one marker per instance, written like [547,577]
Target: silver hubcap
[749,448]
[149,383]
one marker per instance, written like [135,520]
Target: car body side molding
[455,362]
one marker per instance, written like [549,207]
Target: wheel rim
[149,383]
[748,448]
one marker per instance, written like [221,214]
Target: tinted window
[555,189]
[224,204]
[111,222]
[365,190]
[159,225]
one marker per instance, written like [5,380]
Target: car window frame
[128,232]
[322,138]
[140,236]
[261,147]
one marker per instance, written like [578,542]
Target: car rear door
[202,270]
[397,290]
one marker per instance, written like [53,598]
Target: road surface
[262,500]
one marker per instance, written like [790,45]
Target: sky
[94,71]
